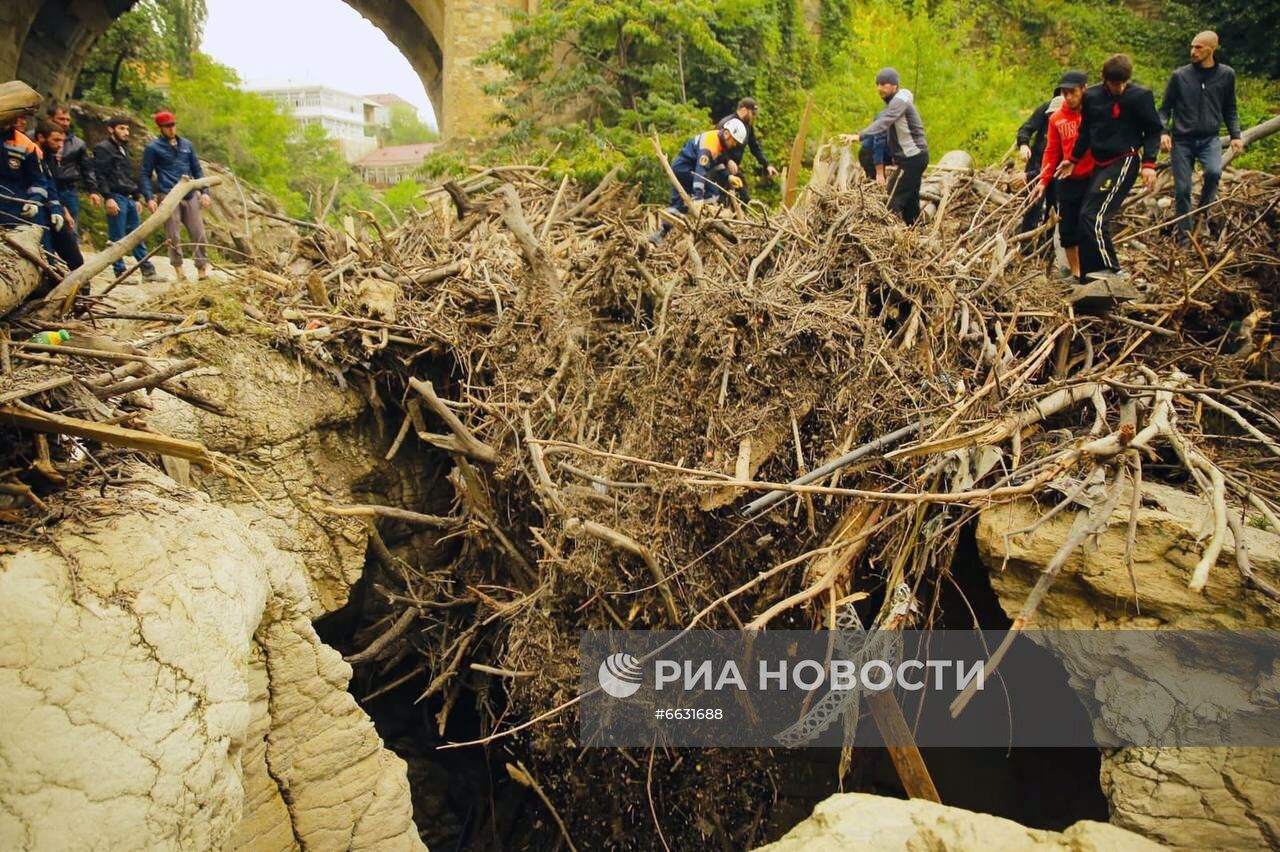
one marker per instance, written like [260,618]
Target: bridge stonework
[45,43]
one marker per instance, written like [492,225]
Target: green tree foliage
[407,128]
[117,69]
[591,79]
[143,45]
[184,22]
[588,80]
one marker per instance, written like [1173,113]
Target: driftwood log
[17,98]
[19,272]
[60,298]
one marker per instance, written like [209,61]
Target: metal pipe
[755,507]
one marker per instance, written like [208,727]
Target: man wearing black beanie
[907,143]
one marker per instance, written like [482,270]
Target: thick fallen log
[106,433]
[19,272]
[1259,131]
[61,297]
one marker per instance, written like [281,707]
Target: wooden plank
[907,759]
[118,436]
[797,156]
[32,390]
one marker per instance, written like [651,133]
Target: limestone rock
[1094,589]
[162,688]
[863,821]
[305,443]
[1194,798]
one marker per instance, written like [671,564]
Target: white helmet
[736,129]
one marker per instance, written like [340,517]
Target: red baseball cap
[166,117]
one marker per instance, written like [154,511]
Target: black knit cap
[1071,79]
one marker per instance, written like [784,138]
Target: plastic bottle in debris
[51,338]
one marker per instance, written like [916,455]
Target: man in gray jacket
[907,144]
[1199,99]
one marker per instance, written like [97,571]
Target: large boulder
[863,821]
[1192,798]
[1094,589]
[162,688]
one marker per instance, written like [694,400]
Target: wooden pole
[797,155]
[134,439]
[907,759]
[60,299]
[1253,134]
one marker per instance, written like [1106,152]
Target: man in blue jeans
[1199,99]
[117,179]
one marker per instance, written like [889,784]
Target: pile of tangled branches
[613,411]
[764,418]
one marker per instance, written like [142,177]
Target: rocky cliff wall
[163,688]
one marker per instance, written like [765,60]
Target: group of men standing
[1087,148]
[42,179]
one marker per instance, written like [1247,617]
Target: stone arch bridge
[45,43]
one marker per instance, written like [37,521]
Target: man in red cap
[170,158]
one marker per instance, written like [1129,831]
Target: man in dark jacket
[1117,118]
[72,169]
[1031,139]
[170,158]
[114,172]
[747,112]
[60,236]
[693,167]
[907,143]
[1199,99]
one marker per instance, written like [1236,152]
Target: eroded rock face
[305,443]
[863,821]
[162,687]
[1192,798]
[1094,590]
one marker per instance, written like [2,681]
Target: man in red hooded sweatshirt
[1064,125]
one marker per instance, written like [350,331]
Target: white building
[350,120]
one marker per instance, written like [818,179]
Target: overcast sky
[317,41]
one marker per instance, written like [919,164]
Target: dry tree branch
[462,440]
[378,645]
[620,541]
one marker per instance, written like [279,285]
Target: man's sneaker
[179,275]
[149,272]
[657,238]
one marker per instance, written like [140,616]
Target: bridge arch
[45,44]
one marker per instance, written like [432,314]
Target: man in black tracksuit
[748,111]
[1032,136]
[1117,118]
[1199,99]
